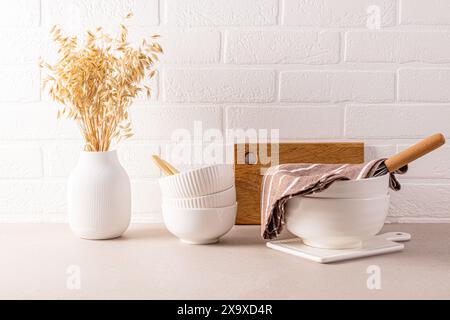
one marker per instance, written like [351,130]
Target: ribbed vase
[99,196]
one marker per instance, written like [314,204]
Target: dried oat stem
[96,82]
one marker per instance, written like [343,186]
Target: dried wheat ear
[96,81]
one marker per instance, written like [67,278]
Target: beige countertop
[40,260]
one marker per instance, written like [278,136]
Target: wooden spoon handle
[162,165]
[414,152]
[170,167]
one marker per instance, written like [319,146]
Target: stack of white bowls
[342,216]
[199,206]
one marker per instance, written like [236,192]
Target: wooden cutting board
[251,162]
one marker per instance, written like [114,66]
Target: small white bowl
[198,182]
[199,226]
[216,200]
[356,189]
[336,223]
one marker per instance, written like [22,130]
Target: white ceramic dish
[199,226]
[379,244]
[356,189]
[198,182]
[335,223]
[216,200]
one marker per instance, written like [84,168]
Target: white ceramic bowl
[198,182]
[336,223]
[199,226]
[356,189]
[216,200]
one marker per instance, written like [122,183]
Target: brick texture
[221,13]
[282,47]
[331,13]
[337,86]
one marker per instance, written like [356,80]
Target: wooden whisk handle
[414,152]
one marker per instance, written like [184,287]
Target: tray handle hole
[250,158]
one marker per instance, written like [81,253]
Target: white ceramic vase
[99,196]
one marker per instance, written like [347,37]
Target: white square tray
[379,244]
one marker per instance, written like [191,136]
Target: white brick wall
[29,42]
[159,123]
[259,47]
[293,121]
[421,200]
[398,46]
[424,85]
[429,12]
[90,14]
[219,85]
[20,161]
[332,13]
[20,13]
[220,13]
[401,121]
[19,83]
[187,47]
[337,86]
[311,68]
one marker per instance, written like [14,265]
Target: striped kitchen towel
[282,182]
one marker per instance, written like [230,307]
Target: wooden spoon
[165,167]
[170,167]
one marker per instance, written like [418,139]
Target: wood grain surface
[249,176]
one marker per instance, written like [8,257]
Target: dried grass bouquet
[97,81]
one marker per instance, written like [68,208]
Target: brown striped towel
[282,182]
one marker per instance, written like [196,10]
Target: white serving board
[379,244]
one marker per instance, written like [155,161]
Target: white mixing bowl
[352,189]
[336,223]
[199,226]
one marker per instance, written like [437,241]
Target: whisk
[410,154]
